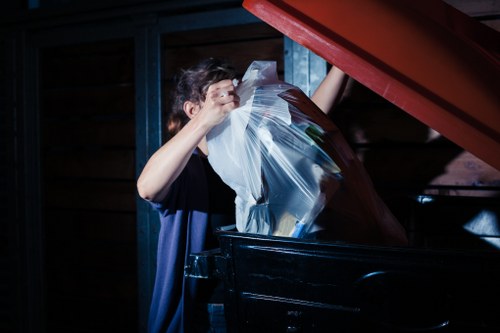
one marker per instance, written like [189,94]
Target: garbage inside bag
[292,171]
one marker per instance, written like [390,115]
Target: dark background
[84,89]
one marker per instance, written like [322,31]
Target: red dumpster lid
[426,57]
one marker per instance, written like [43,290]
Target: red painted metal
[424,56]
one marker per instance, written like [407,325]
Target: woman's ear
[191,109]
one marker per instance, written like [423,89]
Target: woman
[181,185]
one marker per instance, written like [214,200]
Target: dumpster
[280,284]
[283,284]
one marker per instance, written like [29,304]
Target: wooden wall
[88,147]
[8,202]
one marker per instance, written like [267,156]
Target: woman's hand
[221,98]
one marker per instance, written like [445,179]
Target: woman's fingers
[221,98]
[229,97]
[223,92]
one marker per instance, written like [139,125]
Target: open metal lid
[426,57]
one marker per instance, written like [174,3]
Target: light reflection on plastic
[485,223]
[424,199]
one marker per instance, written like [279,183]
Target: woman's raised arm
[166,164]
[330,90]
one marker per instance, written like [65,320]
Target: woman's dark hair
[192,85]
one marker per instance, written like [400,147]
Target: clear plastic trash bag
[288,163]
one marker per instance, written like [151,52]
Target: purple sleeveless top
[197,201]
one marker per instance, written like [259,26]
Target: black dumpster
[279,284]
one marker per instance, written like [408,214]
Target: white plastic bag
[292,170]
[263,151]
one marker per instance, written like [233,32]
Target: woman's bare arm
[330,90]
[166,164]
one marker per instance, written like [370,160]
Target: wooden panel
[92,316]
[98,263]
[90,164]
[88,101]
[88,170]
[113,132]
[92,301]
[92,195]
[225,35]
[7,143]
[243,53]
[240,45]
[9,194]
[88,64]
[92,257]
[91,226]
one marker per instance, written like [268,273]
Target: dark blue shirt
[198,201]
